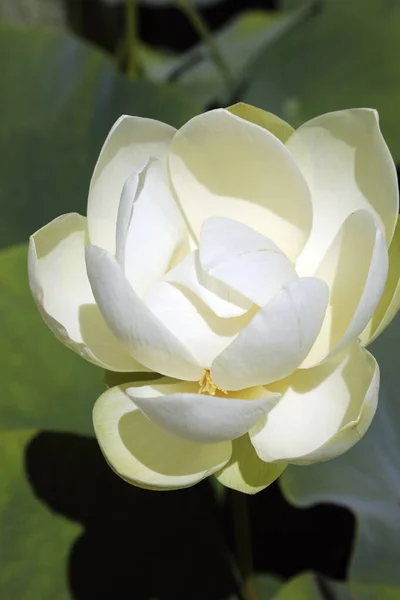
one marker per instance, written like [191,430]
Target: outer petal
[323,411]
[246,472]
[198,417]
[156,236]
[61,289]
[189,275]
[222,165]
[191,321]
[348,167]
[133,323]
[131,141]
[277,339]
[146,455]
[390,301]
[243,260]
[355,269]
[263,118]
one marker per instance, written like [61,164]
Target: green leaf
[345,56]
[267,586]
[309,587]
[34,12]
[34,544]
[366,479]
[70,528]
[332,590]
[59,99]
[44,384]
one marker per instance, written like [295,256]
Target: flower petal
[61,289]
[348,167]
[201,418]
[243,259]
[389,304]
[190,275]
[124,216]
[190,320]
[133,323]
[156,235]
[263,118]
[323,411]
[222,165]
[355,269]
[131,141]
[144,454]
[246,472]
[277,339]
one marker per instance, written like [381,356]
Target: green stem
[132,45]
[243,545]
[204,33]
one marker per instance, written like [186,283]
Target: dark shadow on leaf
[137,543]
[288,540]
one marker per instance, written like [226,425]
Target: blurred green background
[69,528]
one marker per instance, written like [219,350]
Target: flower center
[207,386]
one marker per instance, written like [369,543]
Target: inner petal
[201,331]
[151,233]
[190,275]
[241,259]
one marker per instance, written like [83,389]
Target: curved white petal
[277,339]
[191,321]
[190,275]
[222,165]
[389,304]
[348,167]
[355,269]
[243,259]
[124,216]
[133,323]
[201,418]
[144,454]
[156,236]
[131,141]
[323,411]
[245,471]
[62,292]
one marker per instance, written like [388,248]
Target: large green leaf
[34,544]
[308,587]
[345,56]
[367,478]
[69,527]
[34,12]
[58,100]
[43,384]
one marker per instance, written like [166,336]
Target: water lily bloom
[247,265]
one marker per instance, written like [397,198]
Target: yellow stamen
[207,386]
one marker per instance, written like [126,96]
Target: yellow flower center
[207,386]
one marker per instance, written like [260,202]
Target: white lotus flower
[244,263]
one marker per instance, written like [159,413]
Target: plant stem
[243,545]
[132,45]
[204,33]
